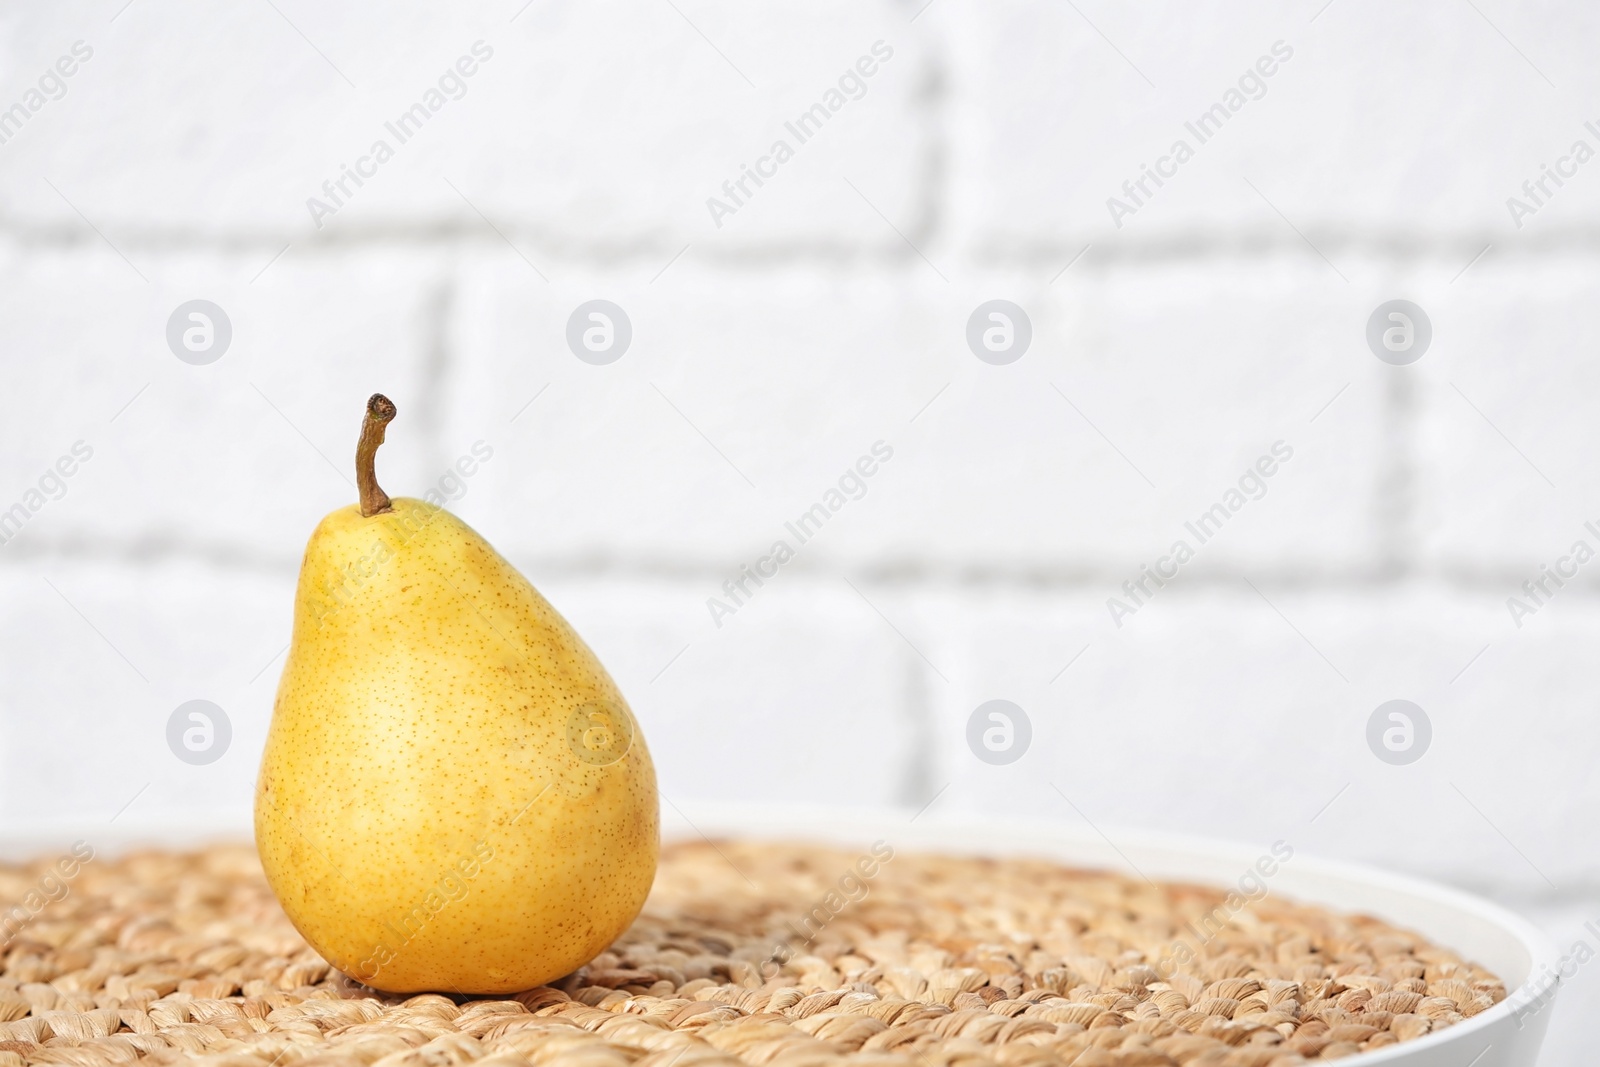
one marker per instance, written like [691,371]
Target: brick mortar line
[1451,248]
[1097,581]
[1394,492]
[921,759]
[439,369]
[1533,894]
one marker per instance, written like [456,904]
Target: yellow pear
[454,795]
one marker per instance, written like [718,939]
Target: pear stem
[374,501]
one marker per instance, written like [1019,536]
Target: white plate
[1507,1035]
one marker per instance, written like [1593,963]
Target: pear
[454,795]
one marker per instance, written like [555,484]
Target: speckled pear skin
[436,809]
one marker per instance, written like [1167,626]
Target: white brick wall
[826,314]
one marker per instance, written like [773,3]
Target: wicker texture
[929,961]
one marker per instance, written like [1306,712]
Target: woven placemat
[745,954]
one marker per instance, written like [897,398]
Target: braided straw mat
[931,961]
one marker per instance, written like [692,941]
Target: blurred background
[221,228]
